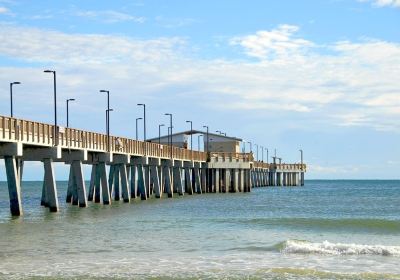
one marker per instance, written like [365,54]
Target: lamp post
[159,132]
[198,141]
[55,105]
[244,147]
[144,120]
[219,131]
[108,127]
[251,146]
[262,153]
[301,157]
[137,127]
[68,100]
[256,151]
[205,126]
[107,117]
[170,134]
[191,134]
[267,155]
[11,96]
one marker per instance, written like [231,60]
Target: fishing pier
[126,169]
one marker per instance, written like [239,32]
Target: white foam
[328,248]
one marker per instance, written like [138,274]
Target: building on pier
[216,142]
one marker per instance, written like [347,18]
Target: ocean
[340,229]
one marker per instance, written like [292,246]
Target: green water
[324,230]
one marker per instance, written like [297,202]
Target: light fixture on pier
[68,100]
[55,105]
[11,96]
[107,117]
[137,119]
[191,134]
[144,120]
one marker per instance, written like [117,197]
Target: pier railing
[280,166]
[36,133]
[243,157]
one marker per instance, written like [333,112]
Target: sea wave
[328,248]
[354,224]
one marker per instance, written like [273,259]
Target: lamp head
[103,90]
[15,83]
[71,99]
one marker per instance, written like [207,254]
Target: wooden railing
[281,166]
[35,133]
[243,157]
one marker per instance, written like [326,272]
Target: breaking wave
[328,248]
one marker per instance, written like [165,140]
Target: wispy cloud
[174,22]
[355,84]
[4,11]
[109,16]
[383,3]
[277,43]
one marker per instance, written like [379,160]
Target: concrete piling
[14,187]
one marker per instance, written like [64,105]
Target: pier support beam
[92,183]
[234,175]
[49,193]
[156,180]
[168,181]
[197,180]
[204,180]
[134,181]
[142,184]
[124,183]
[76,192]
[216,181]
[188,181]
[14,185]
[227,181]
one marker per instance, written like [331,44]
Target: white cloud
[4,10]
[277,43]
[109,16]
[36,45]
[383,3]
[356,84]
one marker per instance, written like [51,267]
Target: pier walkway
[136,168]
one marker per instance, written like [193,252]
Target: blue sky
[318,75]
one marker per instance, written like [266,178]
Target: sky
[322,76]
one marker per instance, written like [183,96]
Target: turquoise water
[324,230]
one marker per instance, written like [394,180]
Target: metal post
[55,105]
[11,96]
[198,141]
[107,117]
[144,120]
[170,124]
[256,151]
[301,156]
[68,100]
[267,155]
[159,133]
[262,153]
[205,126]
[191,134]
[137,127]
